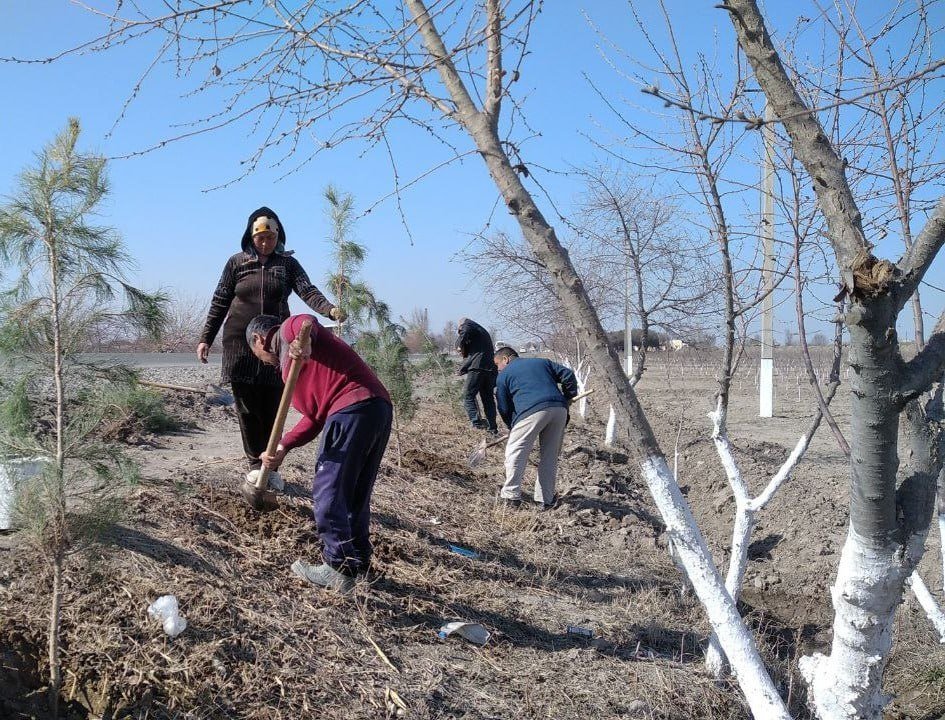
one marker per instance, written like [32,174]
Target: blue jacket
[528,385]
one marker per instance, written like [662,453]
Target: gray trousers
[547,427]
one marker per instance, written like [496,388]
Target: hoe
[257,493]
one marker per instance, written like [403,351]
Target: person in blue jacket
[532,395]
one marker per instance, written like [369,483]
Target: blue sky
[181,234]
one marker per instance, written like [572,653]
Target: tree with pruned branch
[892,485]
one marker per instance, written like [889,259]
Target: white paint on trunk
[766,388]
[931,608]
[734,637]
[847,685]
[746,508]
[582,372]
[610,435]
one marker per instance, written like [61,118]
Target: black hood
[247,243]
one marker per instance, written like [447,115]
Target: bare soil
[262,644]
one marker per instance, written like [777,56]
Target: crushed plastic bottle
[474,632]
[165,610]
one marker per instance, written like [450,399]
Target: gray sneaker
[324,576]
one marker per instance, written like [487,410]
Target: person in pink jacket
[339,396]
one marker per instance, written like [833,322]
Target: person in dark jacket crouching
[475,345]
[533,395]
[339,394]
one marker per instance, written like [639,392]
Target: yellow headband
[265,224]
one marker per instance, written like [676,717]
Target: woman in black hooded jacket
[256,281]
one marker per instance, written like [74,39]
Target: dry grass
[261,644]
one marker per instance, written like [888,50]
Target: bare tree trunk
[918,320]
[57,536]
[55,675]
[400,457]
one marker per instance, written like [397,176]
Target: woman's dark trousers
[256,408]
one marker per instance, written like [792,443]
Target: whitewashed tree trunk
[746,510]
[610,434]
[582,373]
[692,552]
[932,611]
[847,684]
[921,591]
[886,537]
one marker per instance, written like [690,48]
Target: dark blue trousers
[481,384]
[353,443]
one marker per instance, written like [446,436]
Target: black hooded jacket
[248,288]
[475,344]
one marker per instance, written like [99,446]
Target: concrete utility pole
[627,319]
[766,370]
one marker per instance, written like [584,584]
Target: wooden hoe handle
[262,481]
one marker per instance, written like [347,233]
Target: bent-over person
[533,395]
[340,397]
[475,345]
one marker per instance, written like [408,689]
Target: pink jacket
[331,380]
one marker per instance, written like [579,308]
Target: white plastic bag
[14,471]
[165,610]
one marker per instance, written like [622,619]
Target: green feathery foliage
[384,350]
[351,294]
[68,276]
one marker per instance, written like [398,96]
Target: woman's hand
[272,462]
[337,314]
[203,350]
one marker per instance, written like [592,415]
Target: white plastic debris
[13,472]
[474,632]
[165,610]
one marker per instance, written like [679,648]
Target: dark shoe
[494,432]
[555,501]
[510,502]
[324,575]
[480,424]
